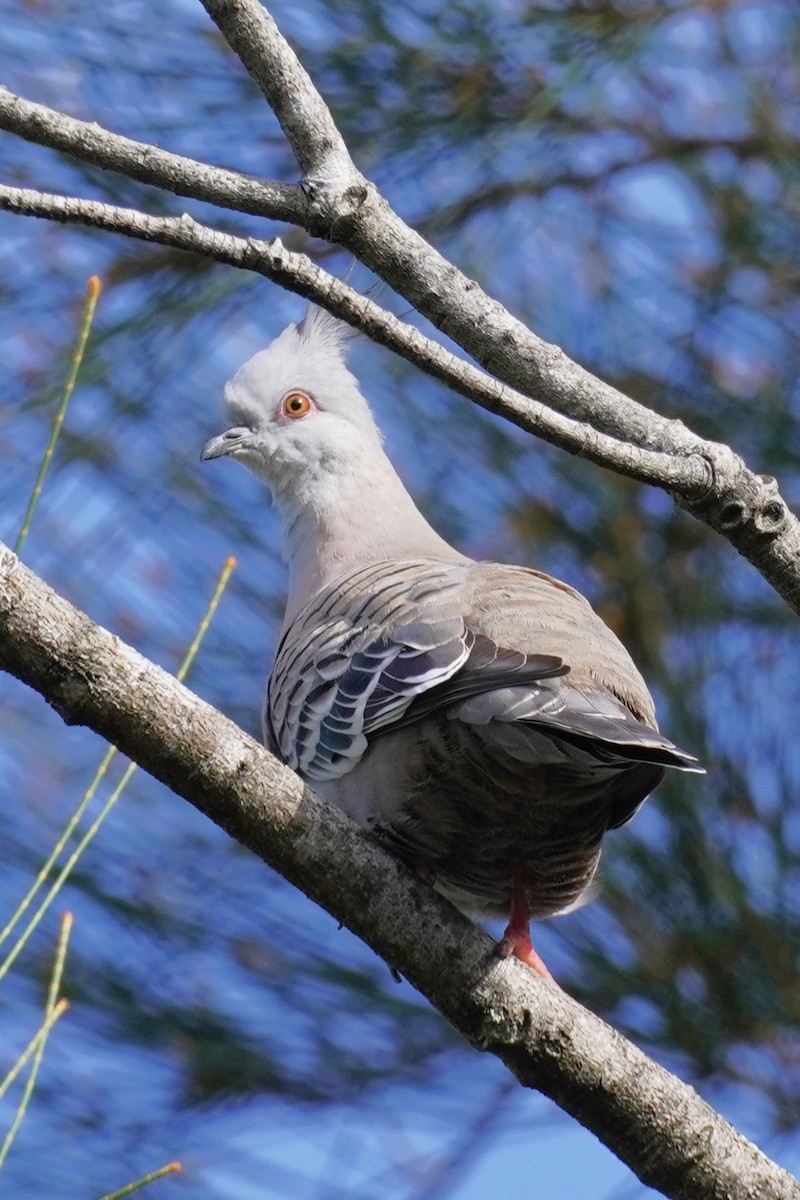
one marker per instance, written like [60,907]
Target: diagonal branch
[572,408]
[686,475]
[149,164]
[345,207]
[303,115]
[706,478]
[655,1123]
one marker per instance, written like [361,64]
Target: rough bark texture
[655,1123]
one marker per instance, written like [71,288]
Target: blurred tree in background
[625,178]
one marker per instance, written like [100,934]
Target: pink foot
[517,939]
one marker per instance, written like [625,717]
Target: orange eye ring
[296,404]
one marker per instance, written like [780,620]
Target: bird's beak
[226,443]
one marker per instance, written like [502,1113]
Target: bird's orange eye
[296,404]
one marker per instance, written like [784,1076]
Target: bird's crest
[325,333]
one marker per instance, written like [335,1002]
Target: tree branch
[655,1123]
[706,478]
[150,164]
[687,475]
[345,207]
[659,1126]
[303,115]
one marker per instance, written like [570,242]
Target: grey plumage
[480,718]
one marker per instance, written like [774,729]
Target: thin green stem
[58,964]
[43,1031]
[68,830]
[190,655]
[88,837]
[170,1169]
[64,873]
[38,1054]
[58,419]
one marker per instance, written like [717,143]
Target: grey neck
[347,520]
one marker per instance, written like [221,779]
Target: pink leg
[517,938]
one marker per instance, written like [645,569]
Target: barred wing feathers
[394,642]
[360,654]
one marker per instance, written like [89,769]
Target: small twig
[58,419]
[50,1018]
[44,1029]
[91,832]
[170,1169]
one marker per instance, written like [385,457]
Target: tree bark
[659,1126]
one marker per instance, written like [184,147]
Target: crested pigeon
[481,719]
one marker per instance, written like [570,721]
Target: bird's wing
[556,723]
[598,712]
[360,654]
[509,650]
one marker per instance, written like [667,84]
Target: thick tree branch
[303,115]
[668,1136]
[659,1126]
[150,164]
[346,208]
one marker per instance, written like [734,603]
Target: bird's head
[296,413]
